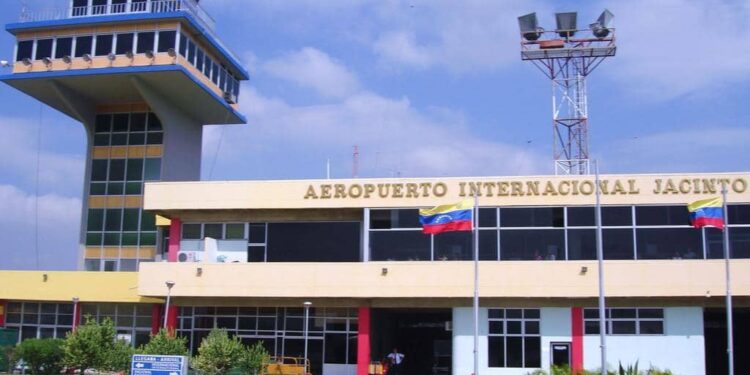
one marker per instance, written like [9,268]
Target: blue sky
[424,88]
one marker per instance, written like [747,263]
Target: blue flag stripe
[460,215]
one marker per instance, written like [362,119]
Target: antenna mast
[355,162]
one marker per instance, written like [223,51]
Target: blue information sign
[158,365]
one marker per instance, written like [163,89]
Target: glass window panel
[135,170]
[25,49]
[191,52]
[93,239]
[65,320]
[152,169]
[617,216]
[213,230]
[257,233]
[98,189]
[540,244]
[43,48]
[95,220]
[129,239]
[124,320]
[532,352]
[247,323]
[191,231]
[396,218]
[113,219]
[166,40]
[137,122]
[235,231]
[154,138]
[531,328]
[513,313]
[64,47]
[617,244]
[581,217]
[101,139]
[591,327]
[145,42]
[496,313]
[103,44]
[622,313]
[399,245]
[532,217]
[623,327]
[531,313]
[65,308]
[651,313]
[48,308]
[738,213]
[215,74]
[652,327]
[317,242]
[335,351]
[115,188]
[116,169]
[84,45]
[514,351]
[454,246]
[148,221]
[266,324]
[154,124]
[514,327]
[99,170]
[183,45]
[496,351]
[488,244]
[148,238]
[137,139]
[199,60]
[496,327]
[207,67]
[662,215]
[226,322]
[739,243]
[124,43]
[130,219]
[120,122]
[119,139]
[111,239]
[103,123]
[669,243]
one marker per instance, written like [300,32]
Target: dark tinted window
[199,60]
[739,243]
[113,220]
[145,42]
[152,169]
[135,170]
[617,216]
[669,243]
[166,40]
[191,51]
[387,219]
[739,213]
[191,231]
[99,170]
[487,245]
[25,49]
[103,123]
[124,43]
[183,45]
[104,44]
[546,244]
[581,216]
[64,47]
[662,215]
[313,242]
[120,122]
[137,122]
[130,219]
[454,246]
[43,48]
[531,217]
[616,244]
[399,245]
[117,169]
[95,220]
[487,217]
[153,122]
[83,45]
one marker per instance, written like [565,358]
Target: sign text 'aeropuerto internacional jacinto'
[521,188]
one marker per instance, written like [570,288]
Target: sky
[422,88]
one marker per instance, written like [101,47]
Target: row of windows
[559,217]
[123,176]
[514,338]
[121,129]
[111,265]
[132,321]
[39,320]
[97,7]
[255,233]
[626,321]
[209,67]
[120,226]
[96,45]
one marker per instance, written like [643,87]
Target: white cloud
[47,226]
[671,48]
[311,68]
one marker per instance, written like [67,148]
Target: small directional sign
[158,365]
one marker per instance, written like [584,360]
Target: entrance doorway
[423,335]
[715,336]
[560,354]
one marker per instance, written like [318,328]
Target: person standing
[395,359]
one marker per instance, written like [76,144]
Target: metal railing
[139,7]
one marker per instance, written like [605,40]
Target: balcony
[121,7]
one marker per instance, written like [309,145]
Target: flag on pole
[707,213]
[447,218]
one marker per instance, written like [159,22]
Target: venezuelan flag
[447,218]
[707,213]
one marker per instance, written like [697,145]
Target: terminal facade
[143,76]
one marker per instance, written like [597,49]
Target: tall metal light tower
[567,56]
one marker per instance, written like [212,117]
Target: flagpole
[600,260]
[730,344]
[475,222]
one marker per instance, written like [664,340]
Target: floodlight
[47,61]
[529,26]
[150,54]
[171,52]
[4,63]
[66,59]
[26,61]
[600,28]
[566,24]
[111,56]
[129,54]
[86,57]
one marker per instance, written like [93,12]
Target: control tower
[143,77]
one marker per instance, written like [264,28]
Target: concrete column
[175,233]
[77,316]
[3,307]
[576,317]
[363,341]
[172,319]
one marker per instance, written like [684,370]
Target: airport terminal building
[144,76]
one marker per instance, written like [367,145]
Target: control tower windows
[166,40]
[124,43]
[199,60]
[83,45]
[119,6]
[25,49]
[145,42]
[63,47]
[43,48]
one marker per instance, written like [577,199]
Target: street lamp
[75,312]
[307,305]
[170,284]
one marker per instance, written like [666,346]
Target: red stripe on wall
[172,319]
[363,341]
[155,318]
[576,314]
[3,306]
[175,233]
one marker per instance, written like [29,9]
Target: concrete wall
[680,349]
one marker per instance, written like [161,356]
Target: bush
[95,345]
[163,343]
[254,358]
[218,353]
[43,356]
[118,357]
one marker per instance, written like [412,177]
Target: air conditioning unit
[230,97]
[189,256]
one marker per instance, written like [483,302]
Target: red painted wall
[576,314]
[363,341]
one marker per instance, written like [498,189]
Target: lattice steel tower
[567,60]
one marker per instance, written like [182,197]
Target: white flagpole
[730,344]
[475,235]
[600,260]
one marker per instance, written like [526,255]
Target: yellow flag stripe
[465,204]
[710,202]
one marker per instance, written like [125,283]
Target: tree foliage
[218,353]
[95,345]
[43,356]
[254,358]
[163,343]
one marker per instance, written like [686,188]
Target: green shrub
[218,353]
[254,358]
[11,357]
[163,343]
[43,356]
[95,345]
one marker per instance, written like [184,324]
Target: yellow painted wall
[63,286]
[529,279]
